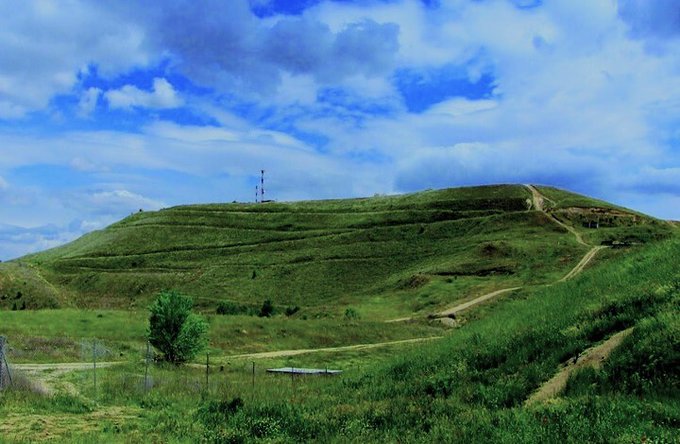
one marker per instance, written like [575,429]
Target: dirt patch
[415,281]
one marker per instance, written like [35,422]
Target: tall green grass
[469,387]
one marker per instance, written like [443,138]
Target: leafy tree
[174,330]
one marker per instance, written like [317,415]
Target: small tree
[174,330]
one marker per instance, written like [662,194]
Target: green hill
[350,265]
[387,255]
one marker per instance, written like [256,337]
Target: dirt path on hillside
[570,229]
[538,203]
[537,199]
[593,357]
[465,305]
[286,353]
[582,264]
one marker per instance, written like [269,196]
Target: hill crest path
[538,204]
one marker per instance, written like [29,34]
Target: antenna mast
[262,186]
[257,192]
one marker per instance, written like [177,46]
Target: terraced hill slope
[386,256]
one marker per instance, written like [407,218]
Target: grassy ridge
[386,256]
[406,254]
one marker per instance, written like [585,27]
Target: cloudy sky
[109,107]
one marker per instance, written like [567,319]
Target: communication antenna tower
[262,186]
[257,192]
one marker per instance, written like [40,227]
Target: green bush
[174,330]
[233,309]
[351,314]
[290,311]
[267,309]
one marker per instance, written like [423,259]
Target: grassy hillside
[385,256]
[470,386]
[381,258]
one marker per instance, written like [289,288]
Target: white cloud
[586,96]
[120,201]
[44,47]
[88,101]
[19,241]
[162,95]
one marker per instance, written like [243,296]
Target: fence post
[94,366]
[146,367]
[3,355]
[207,372]
[2,361]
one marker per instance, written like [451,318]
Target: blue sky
[109,107]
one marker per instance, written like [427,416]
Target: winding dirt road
[582,264]
[286,353]
[593,357]
[538,203]
[48,373]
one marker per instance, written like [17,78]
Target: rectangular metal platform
[303,371]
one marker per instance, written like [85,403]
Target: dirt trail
[593,357]
[286,353]
[47,373]
[61,367]
[538,203]
[537,199]
[46,376]
[465,305]
[582,264]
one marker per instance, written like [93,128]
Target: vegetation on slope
[470,386]
[385,256]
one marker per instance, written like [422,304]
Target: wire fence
[99,374]
[5,371]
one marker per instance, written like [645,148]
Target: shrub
[351,314]
[174,330]
[290,311]
[267,309]
[232,309]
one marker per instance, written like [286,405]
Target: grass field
[382,257]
